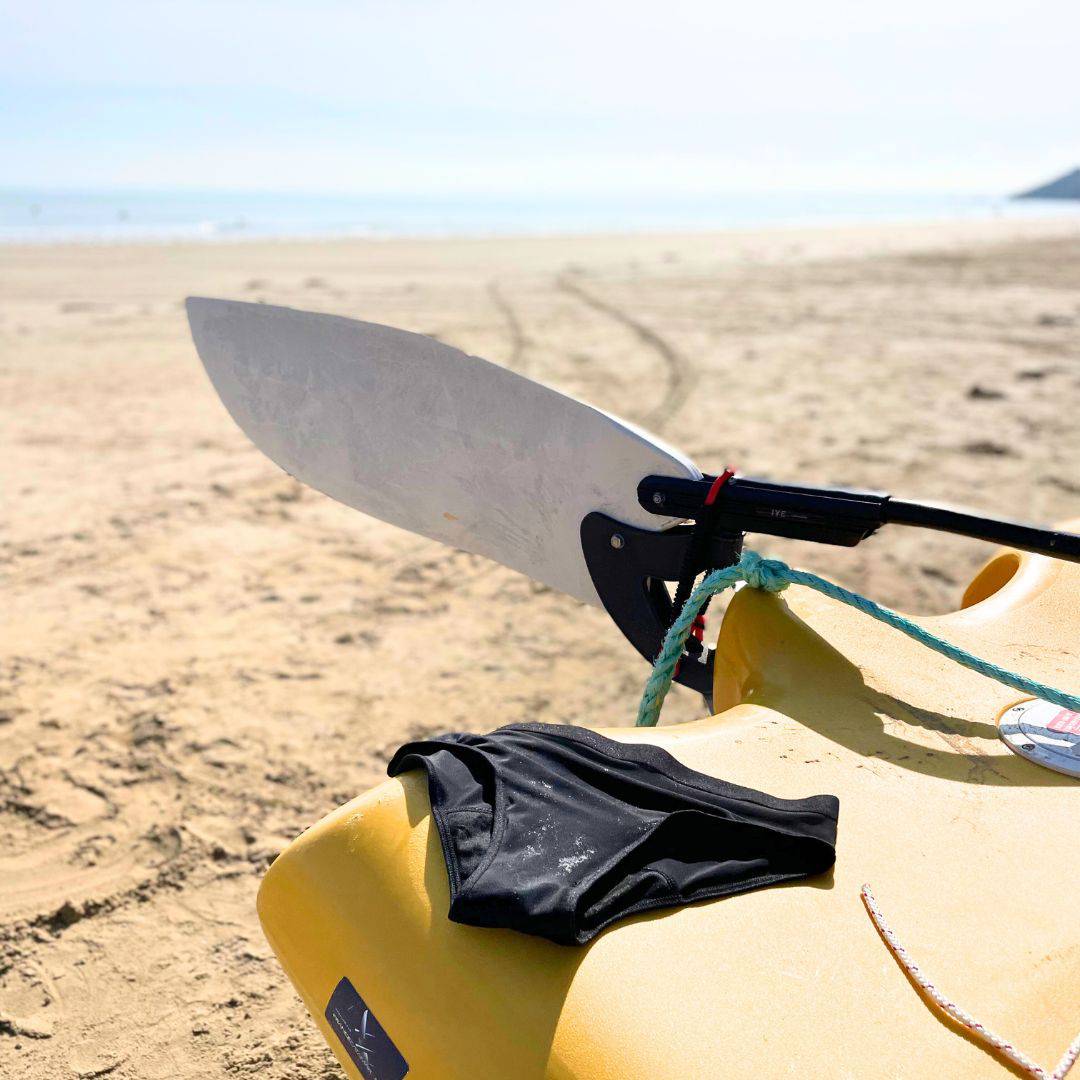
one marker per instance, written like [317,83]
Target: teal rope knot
[760,573]
[774,576]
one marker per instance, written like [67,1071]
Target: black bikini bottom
[558,831]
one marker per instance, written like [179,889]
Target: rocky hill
[1064,187]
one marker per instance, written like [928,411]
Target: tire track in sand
[518,342]
[681,373]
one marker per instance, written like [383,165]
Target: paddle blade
[428,438]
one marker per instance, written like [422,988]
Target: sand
[201,657]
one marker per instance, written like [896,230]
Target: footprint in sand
[72,307]
[987,448]
[984,393]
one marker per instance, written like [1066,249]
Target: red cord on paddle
[718,483]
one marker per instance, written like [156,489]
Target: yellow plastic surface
[973,854]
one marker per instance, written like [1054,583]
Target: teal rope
[774,576]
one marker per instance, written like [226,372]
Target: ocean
[42,216]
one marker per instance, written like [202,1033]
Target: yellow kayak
[972,853]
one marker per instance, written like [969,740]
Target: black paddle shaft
[835,515]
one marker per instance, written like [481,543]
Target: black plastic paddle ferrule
[744,504]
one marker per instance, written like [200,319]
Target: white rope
[962,1016]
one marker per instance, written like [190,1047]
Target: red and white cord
[962,1016]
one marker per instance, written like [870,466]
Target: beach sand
[201,657]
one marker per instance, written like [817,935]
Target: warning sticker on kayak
[1044,733]
[371,1049]
[1066,721]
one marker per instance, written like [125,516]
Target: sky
[549,97]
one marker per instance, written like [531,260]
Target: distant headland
[1064,187]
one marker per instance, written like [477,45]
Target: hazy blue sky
[545,97]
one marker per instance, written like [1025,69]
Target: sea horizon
[45,216]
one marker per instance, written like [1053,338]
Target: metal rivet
[658,498]
[617,541]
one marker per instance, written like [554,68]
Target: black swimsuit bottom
[558,831]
